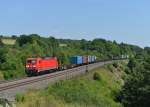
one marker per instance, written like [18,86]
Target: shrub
[115,64]
[110,68]
[13,74]
[4,102]
[19,98]
[127,70]
[8,75]
[96,76]
[1,75]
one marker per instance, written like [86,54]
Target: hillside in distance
[14,51]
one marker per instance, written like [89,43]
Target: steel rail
[11,80]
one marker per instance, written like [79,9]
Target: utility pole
[87,56]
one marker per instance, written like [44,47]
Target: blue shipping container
[76,60]
[92,58]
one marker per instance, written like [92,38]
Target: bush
[115,64]
[127,70]
[96,76]
[4,102]
[13,74]
[1,75]
[8,75]
[110,67]
[19,98]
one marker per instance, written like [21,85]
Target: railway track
[11,88]
[13,85]
[6,81]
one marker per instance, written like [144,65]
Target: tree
[2,56]
[24,39]
[132,64]
[1,43]
[54,45]
[136,90]
[14,36]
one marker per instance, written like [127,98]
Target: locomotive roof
[33,58]
[44,58]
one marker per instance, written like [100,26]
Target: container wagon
[76,60]
[90,59]
[85,59]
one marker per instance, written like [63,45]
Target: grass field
[96,89]
[9,41]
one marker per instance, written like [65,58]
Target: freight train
[36,66]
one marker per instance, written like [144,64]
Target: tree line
[13,57]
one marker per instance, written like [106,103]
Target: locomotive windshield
[31,61]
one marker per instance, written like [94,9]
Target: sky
[121,20]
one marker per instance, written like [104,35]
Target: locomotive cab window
[31,61]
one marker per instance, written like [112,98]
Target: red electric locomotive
[35,66]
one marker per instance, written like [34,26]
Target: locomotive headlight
[27,66]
